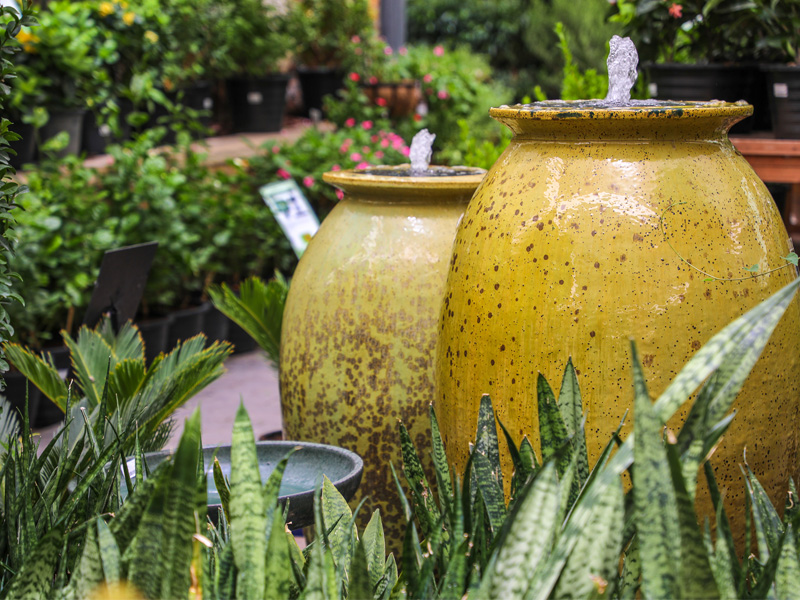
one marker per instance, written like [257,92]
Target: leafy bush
[456,85]
[356,144]
[517,36]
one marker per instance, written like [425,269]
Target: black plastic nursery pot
[69,120]
[316,83]
[187,323]
[693,82]
[199,96]
[257,104]
[783,87]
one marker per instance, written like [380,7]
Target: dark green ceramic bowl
[303,473]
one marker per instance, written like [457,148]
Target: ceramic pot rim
[361,180]
[573,110]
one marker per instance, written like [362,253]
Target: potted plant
[699,50]
[780,27]
[324,33]
[254,64]
[387,77]
[62,51]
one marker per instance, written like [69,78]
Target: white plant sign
[292,211]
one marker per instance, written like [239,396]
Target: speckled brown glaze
[560,254]
[359,328]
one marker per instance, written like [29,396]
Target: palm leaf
[258,310]
[39,372]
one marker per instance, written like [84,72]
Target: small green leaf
[792,258]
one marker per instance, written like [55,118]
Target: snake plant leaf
[721,561]
[223,489]
[109,552]
[411,557]
[486,438]
[696,577]
[360,582]
[374,545]
[35,578]
[656,513]
[520,474]
[39,372]
[768,526]
[180,510]
[97,470]
[321,580]
[143,556]
[723,524]
[337,514]
[443,479]
[424,505]
[491,492]
[630,579]
[258,310]
[279,578]
[226,580]
[787,574]
[273,487]
[529,537]
[791,510]
[570,487]
[528,455]
[389,579]
[454,582]
[571,408]
[552,432]
[595,556]
[425,583]
[248,518]
[89,573]
[401,494]
[734,351]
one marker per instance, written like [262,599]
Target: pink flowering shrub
[359,143]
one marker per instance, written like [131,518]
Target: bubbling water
[420,152]
[622,62]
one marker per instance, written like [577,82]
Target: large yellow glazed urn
[584,235]
[359,327]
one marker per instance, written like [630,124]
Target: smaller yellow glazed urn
[359,326]
[598,226]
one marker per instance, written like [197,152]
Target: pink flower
[336,168]
[406,150]
[355,157]
[379,154]
[676,10]
[373,80]
[442,95]
[350,122]
[438,51]
[380,101]
[374,139]
[283,174]
[366,125]
[387,50]
[276,149]
[403,51]
[362,165]
[354,77]
[355,39]
[308,181]
[339,194]
[384,143]
[427,78]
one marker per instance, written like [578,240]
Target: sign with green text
[292,212]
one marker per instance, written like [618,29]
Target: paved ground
[249,379]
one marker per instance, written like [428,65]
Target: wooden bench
[777,161]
